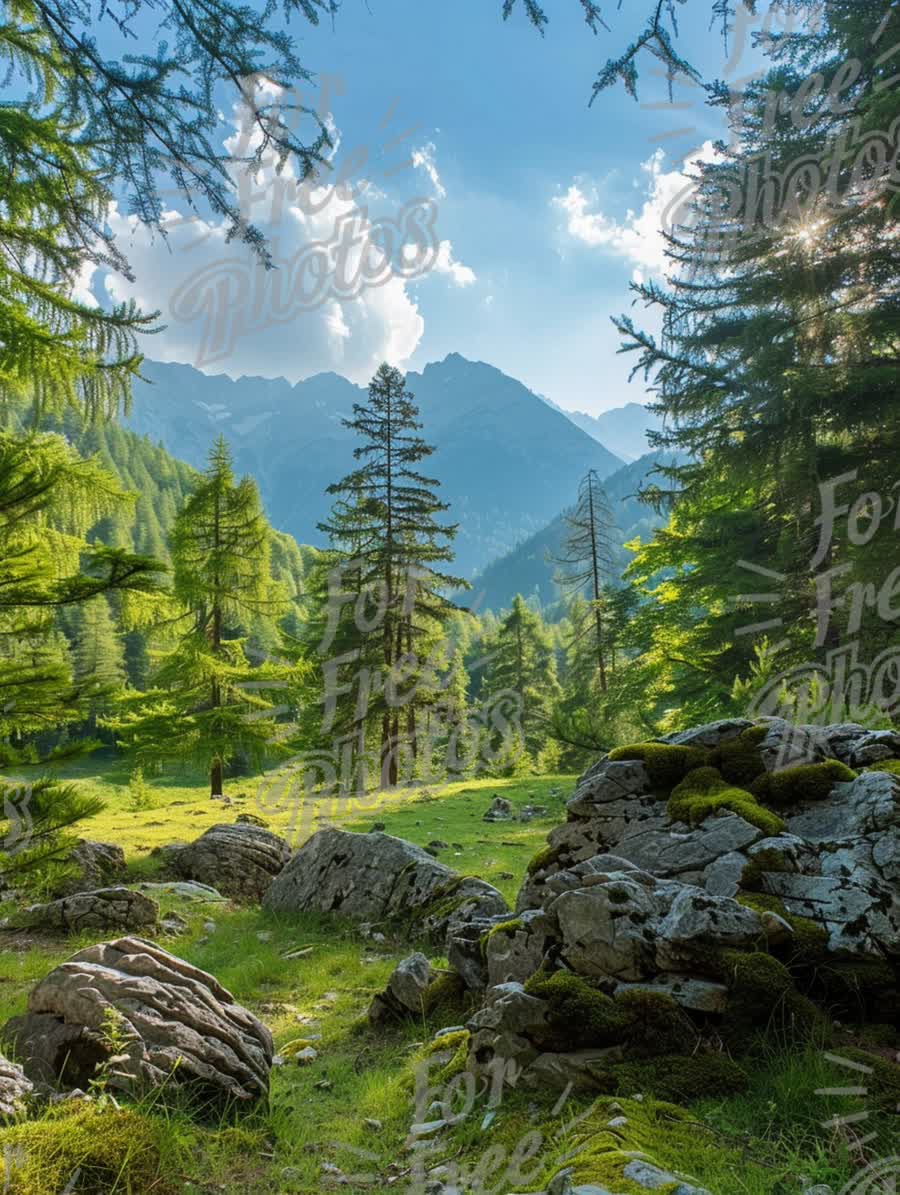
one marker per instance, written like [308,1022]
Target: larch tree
[208,702]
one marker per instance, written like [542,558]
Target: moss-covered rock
[505,927]
[446,999]
[739,759]
[808,782]
[578,1015]
[666,763]
[656,1023]
[110,1149]
[891,766]
[546,857]
[704,792]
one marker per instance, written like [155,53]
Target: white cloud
[445,264]
[224,312]
[424,159]
[639,236]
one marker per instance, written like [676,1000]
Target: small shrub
[140,795]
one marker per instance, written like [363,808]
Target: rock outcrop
[376,878]
[106,909]
[240,860]
[174,1024]
[716,808]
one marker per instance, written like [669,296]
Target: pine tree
[208,703]
[390,542]
[777,372]
[586,555]
[522,665]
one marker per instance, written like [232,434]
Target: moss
[808,782]
[446,998]
[666,763]
[544,858]
[764,860]
[683,1077]
[505,927]
[704,792]
[455,1048]
[763,996]
[891,766]
[738,759]
[115,1151]
[579,1015]
[655,1023]
[654,1129]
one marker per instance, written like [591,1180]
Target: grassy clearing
[352,1107]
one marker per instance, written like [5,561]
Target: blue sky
[533,190]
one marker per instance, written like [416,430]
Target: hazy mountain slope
[623,429]
[526,570]
[506,460]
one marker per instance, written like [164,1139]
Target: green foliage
[703,792]
[37,821]
[140,796]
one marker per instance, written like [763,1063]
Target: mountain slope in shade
[507,462]
[623,429]
[526,569]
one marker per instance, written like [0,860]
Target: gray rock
[699,995]
[98,865]
[791,852]
[875,747]
[669,852]
[185,890]
[614,780]
[374,877]
[651,1177]
[181,1025]
[789,744]
[15,1088]
[584,1070]
[698,920]
[723,876]
[709,735]
[604,928]
[106,909]
[405,990]
[240,859]
[515,956]
[500,810]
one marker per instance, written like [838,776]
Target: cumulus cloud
[446,264]
[225,312]
[639,236]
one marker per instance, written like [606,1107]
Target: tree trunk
[215,778]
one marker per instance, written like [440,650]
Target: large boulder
[106,909]
[93,865]
[15,1088]
[178,1023]
[376,877]
[240,860]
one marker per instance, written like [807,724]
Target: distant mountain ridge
[623,430]
[506,460]
[526,569]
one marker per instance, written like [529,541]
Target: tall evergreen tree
[385,524]
[586,556]
[208,703]
[777,371]
[97,654]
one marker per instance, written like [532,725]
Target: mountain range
[508,461]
